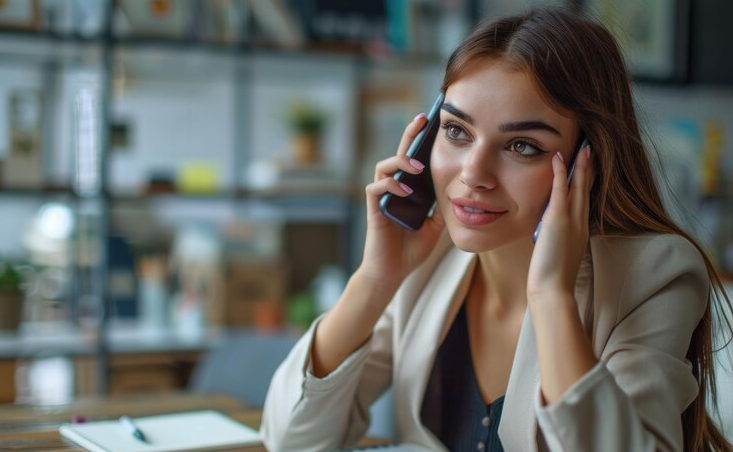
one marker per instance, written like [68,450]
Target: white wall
[331,84]
[180,108]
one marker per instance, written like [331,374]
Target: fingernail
[406,188]
[559,156]
[417,164]
[420,115]
[587,152]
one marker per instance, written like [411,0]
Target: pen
[134,430]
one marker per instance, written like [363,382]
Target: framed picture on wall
[653,35]
[19,14]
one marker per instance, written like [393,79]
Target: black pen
[134,430]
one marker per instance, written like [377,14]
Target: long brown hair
[578,67]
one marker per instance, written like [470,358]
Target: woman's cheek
[538,192]
[529,187]
[440,169]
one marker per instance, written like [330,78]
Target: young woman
[596,338]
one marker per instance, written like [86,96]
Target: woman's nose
[478,171]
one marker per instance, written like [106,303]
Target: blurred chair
[382,414]
[242,365]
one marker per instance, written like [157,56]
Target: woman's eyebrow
[450,108]
[522,126]
[518,126]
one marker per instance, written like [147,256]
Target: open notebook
[189,431]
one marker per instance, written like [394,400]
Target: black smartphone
[411,211]
[583,143]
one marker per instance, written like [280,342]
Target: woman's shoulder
[634,268]
[665,250]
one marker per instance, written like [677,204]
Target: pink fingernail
[587,152]
[406,188]
[560,157]
[417,164]
[421,115]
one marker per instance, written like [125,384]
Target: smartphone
[411,211]
[583,143]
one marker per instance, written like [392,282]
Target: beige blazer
[639,298]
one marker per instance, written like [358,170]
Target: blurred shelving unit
[127,116]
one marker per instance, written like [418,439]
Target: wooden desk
[34,428]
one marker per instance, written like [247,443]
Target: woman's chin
[472,244]
[479,243]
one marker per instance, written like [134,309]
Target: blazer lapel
[436,307]
[518,425]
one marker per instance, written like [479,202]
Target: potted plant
[307,124]
[11,297]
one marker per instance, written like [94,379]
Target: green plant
[304,118]
[301,309]
[11,297]
[10,279]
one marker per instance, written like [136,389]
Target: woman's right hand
[391,252]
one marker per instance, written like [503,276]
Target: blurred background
[181,181]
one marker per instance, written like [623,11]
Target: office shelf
[309,205]
[37,192]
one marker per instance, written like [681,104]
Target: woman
[596,338]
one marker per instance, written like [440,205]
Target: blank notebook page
[198,430]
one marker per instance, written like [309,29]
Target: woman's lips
[471,213]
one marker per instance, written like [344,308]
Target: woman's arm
[350,323]
[390,254]
[634,397]
[565,353]
[319,398]
[305,413]
[564,349]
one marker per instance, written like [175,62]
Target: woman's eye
[454,132]
[525,149]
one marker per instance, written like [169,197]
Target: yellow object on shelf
[198,177]
[711,158]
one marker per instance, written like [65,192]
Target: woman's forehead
[495,90]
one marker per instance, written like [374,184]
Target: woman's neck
[500,279]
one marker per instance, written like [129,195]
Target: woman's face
[491,162]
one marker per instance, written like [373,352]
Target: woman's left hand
[563,238]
